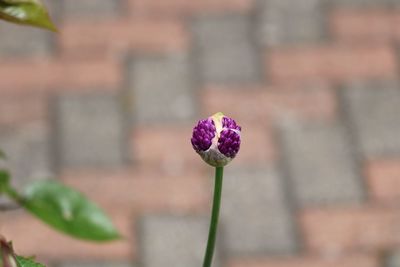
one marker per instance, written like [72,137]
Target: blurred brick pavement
[107,106]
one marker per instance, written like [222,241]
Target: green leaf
[7,255]
[4,180]
[28,12]
[68,211]
[28,262]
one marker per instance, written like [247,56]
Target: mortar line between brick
[256,44]
[350,131]
[125,107]
[55,152]
[283,170]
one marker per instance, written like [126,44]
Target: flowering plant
[59,206]
[217,140]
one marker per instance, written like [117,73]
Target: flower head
[216,139]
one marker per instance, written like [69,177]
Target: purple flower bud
[216,139]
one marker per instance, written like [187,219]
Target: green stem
[219,171]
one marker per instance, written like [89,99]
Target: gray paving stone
[394,3]
[161,89]
[89,130]
[360,3]
[95,264]
[374,110]
[255,216]
[321,165]
[19,41]
[225,50]
[55,9]
[290,22]
[90,8]
[174,241]
[393,259]
[28,153]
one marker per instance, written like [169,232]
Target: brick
[49,75]
[378,132]
[18,109]
[255,216]
[95,264]
[165,148]
[160,89]
[85,38]
[89,130]
[182,7]
[174,241]
[347,229]
[263,105]
[258,146]
[135,191]
[224,50]
[55,246]
[24,41]
[28,153]
[310,261]
[383,178]
[91,9]
[277,17]
[340,63]
[320,163]
[372,25]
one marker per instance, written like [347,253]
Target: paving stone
[90,8]
[225,50]
[160,88]
[174,241]
[290,22]
[393,260]
[28,153]
[19,41]
[394,3]
[360,3]
[96,264]
[255,214]
[321,164]
[55,9]
[89,130]
[374,110]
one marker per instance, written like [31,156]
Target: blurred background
[107,105]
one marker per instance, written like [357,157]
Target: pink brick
[340,63]
[360,25]
[135,191]
[310,261]
[263,105]
[32,237]
[38,75]
[384,180]
[346,229]
[166,148]
[257,146]
[17,109]
[94,38]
